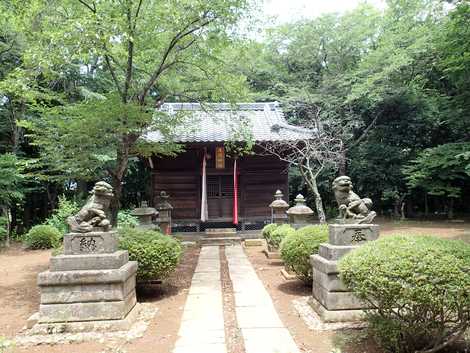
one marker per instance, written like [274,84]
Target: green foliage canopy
[11,179]
[440,170]
[93,75]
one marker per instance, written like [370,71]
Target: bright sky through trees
[291,10]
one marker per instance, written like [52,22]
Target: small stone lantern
[164,213]
[300,214]
[278,208]
[145,215]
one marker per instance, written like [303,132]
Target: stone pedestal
[91,283]
[332,301]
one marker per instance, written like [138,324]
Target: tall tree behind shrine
[128,57]
[394,81]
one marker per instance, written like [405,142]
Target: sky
[291,10]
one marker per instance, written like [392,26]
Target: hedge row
[157,254]
[296,246]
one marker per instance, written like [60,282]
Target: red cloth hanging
[235,193]
[204,208]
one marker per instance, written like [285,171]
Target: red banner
[204,210]
[235,193]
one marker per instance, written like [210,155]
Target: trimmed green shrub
[42,236]
[58,219]
[157,254]
[274,238]
[268,229]
[419,286]
[296,249]
[126,220]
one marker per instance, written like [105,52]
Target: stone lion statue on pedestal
[352,209]
[93,216]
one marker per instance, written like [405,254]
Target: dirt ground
[448,230]
[19,298]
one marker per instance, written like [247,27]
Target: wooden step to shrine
[220,232]
[216,241]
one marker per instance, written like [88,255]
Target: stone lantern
[145,215]
[164,213]
[278,208]
[300,214]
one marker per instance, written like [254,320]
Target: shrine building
[209,185]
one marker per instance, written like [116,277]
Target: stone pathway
[262,330]
[202,326]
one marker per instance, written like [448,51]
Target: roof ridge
[247,106]
[218,122]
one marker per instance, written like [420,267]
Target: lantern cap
[279,202]
[300,207]
[144,210]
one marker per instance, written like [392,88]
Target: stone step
[211,241]
[220,235]
[220,232]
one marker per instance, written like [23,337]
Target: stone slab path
[202,326]
[262,330]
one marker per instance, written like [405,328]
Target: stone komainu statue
[93,216]
[352,209]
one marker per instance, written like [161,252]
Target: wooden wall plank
[180,177]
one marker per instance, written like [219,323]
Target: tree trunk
[118,174]
[409,208]
[396,208]
[318,201]
[14,220]
[426,205]
[82,189]
[51,191]
[450,211]
[399,207]
[402,210]
[116,201]
[7,216]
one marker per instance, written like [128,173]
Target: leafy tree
[441,171]
[11,46]
[393,83]
[453,48]
[10,187]
[142,53]
[314,153]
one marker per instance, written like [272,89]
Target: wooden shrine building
[207,187]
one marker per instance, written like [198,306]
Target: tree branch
[130,54]
[92,9]
[113,74]
[136,16]
[364,133]
[186,31]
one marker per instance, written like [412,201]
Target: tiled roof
[220,122]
